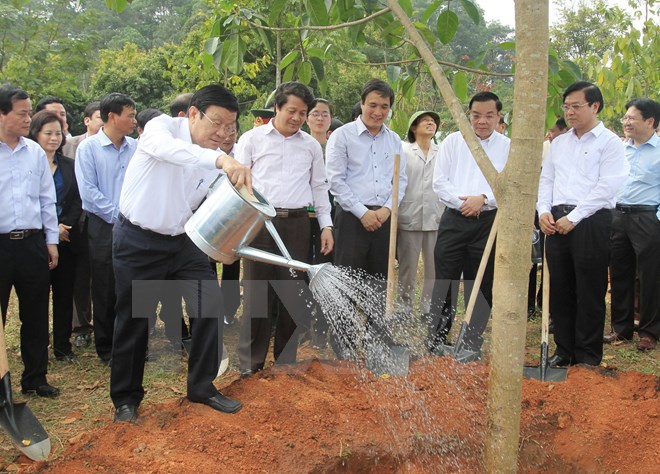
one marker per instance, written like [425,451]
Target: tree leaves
[116,5]
[472,11]
[317,11]
[460,85]
[447,26]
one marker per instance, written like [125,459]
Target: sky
[503,10]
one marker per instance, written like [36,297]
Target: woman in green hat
[419,211]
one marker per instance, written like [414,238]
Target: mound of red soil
[326,418]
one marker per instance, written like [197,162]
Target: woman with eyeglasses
[47,130]
[420,210]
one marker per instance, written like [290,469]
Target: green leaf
[431,9]
[319,69]
[305,72]
[426,33]
[318,13]
[266,39]
[460,85]
[276,7]
[287,74]
[323,87]
[472,11]
[393,73]
[408,88]
[288,59]
[407,6]
[573,68]
[316,52]
[211,45]
[507,46]
[117,5]
[447,26]
[234,50]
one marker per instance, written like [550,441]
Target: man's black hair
[91,108]
[10,94]
[297,89]
[356,111]
[145,115]
[486,96]
[115,103]
[217,95]
[379,86]
[591,93]
[49,99]
[648,108]
[180,104]
[561,123]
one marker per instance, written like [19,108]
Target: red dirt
[329,418]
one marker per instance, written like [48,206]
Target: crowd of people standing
[101,217]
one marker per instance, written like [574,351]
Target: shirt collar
[361,127]
[104,140]
[596,131]
[270,128]
[654,141]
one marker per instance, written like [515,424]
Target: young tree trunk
[517,186]
[515,189]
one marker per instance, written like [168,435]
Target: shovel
[544,372]
[23,428]
[457,351]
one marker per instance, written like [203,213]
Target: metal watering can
[226,223]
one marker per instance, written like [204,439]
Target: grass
[84,403]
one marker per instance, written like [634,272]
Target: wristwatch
[485,199]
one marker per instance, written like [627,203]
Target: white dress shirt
[27,190]
[457,173]
[586,172]
[420,209]
[360,167]
[288,171]
[167,178]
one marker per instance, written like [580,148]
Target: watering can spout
[266,257]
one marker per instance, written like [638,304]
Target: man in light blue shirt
[360,168]
[101,162]
[27,213]
[635,233]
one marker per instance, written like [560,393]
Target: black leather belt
[286,213]
[632,208]
[563,208]
[460,214]
[20,234]
[373,208]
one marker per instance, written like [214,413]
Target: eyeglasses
[228,129]
[573,107]
[324,115]
[627,118]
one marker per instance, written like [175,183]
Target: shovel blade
[25,431]
[550,374]
[462,355]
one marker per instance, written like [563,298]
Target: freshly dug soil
[332,418]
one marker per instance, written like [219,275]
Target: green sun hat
[436,118]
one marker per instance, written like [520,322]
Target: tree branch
[366,19]
[444,63]
[455,107]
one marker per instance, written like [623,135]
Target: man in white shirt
[577,191]
[176,160]
[287,168]
[466,223]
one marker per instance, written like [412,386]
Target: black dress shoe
[220,402]
[559,361]
[126,413]
[70,357]
[44,390]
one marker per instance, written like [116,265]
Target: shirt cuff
[52,237]
[359,211]
[324,221]
[574,216]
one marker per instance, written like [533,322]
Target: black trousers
[458,250]
[578,263]
[635,241]
[274,292]
[142,260]
[356,247]
[62,280]
[231,289]
[82,293]
[24,265]
[103,284]
[534,296]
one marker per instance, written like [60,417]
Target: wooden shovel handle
[4,363]
[394,218]
[482,269]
